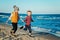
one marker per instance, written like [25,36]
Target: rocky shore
[22,35]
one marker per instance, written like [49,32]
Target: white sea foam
[47,18]
[58,32]
[5,16]
[1,15]
[41,29]
[22,16]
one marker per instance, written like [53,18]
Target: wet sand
[23,35]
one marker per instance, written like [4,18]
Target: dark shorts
[28,27]
[14,27]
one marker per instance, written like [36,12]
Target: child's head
[29,12]
[16,9]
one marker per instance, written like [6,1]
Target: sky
[36,6]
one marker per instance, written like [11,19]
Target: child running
[28,20]
[14,19]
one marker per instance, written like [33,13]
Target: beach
[23,35]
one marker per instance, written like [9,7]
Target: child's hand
[24,20]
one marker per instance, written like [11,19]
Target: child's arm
[9,17]
[25,19]
[22,20]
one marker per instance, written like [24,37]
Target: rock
[2,34]
[23,35]
[1,38]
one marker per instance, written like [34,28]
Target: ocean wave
[58,32]
[3,16]
[41,29]
[22,16]
[47,18]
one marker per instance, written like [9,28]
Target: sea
[49,23]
